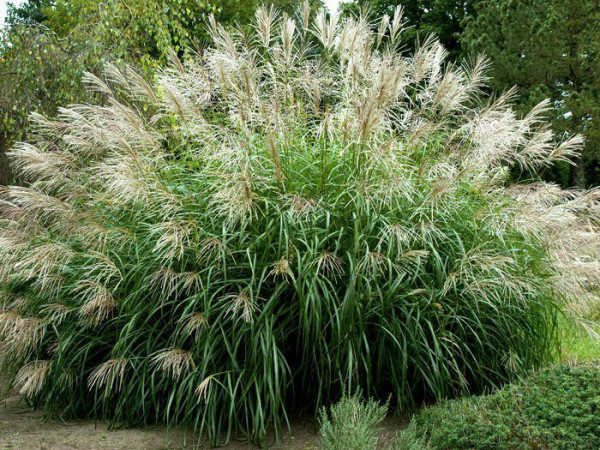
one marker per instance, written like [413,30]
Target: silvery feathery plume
[30,378]
[241,305]
[109,375]
[173,361]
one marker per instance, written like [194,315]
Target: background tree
[38,72]
[242,11]
[443,18]
[31,11]
[132,30]
[549,49]
[50,44]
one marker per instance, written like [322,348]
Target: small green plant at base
[351,424]
[409,439]
[557,407]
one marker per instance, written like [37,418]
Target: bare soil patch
[23,428]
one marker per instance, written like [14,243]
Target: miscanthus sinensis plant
[299,211]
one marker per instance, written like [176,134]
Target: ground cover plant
[298,212]
[555,408]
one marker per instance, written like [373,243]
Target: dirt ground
[23,429]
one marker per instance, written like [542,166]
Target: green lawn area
[579,344]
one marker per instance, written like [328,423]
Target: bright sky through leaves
[331,4]
[4,7]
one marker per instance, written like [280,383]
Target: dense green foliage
[351,424]
[38,72]
[29,12]
[136,30]
[554,408]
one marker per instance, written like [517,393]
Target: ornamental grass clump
[300,211]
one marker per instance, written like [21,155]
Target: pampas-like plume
[193,323]
[30,378]
[38,204]
[40,163]
[98,303]
[174,362]
[109,375]
[203,389]
[241,304]
[265,19]
[56,312]
[45,260]
[168,281]
[282,269]
[174,239]
[329,264]
[326,29]
[300,206]
[21,334]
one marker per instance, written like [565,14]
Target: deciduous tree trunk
[5,174]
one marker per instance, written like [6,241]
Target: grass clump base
[300,212]
[557,407]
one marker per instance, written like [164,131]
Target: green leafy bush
[39,72]
[351,424]
[302,211]
[555,408]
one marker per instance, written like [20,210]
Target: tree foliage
[442,18]
[29,12]
[39,72]
[133,29]
[549,49]
[48,44]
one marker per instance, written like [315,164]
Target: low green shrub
[351,424]
[558,407]
[301,211]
